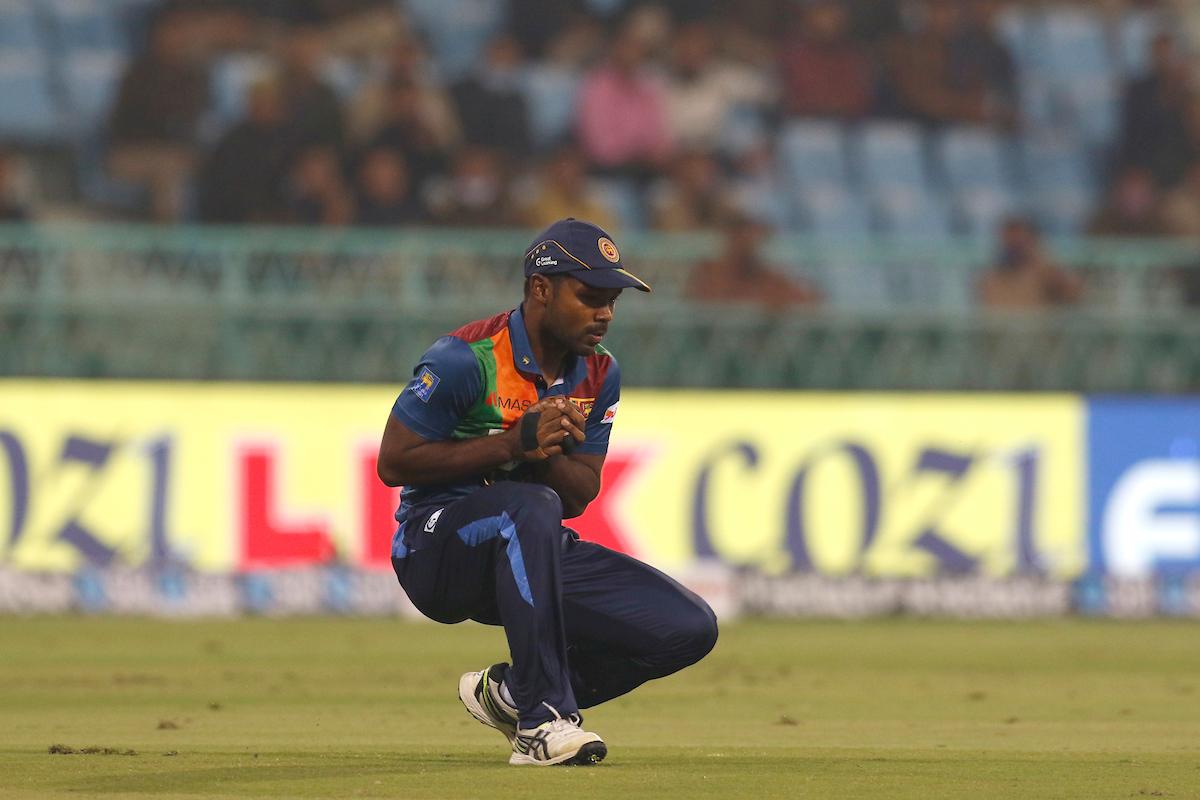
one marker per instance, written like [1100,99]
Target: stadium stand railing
[349,305]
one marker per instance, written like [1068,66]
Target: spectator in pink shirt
[622,110]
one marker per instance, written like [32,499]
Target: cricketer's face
[578,315]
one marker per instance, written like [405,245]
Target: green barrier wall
[294,304]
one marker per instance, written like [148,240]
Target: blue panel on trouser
[399,548]
[476,533]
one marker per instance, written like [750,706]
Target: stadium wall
[202,498]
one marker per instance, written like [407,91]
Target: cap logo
[608,249]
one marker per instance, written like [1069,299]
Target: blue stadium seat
[86,24]
[1019,29]
[623,198]
[980,211]
[763,200]
[1135,33]
[27,111]
[550,96]
[912,212]
[229,78]
[813,154]
[833,212]
[457,30]
[891,154]
[971,158]
[18,25]
[91,79]
[1095,104]
[1060,184]
[1076,43]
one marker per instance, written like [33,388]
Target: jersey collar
[522,352]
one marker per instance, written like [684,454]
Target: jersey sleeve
[446,383]
[600,420]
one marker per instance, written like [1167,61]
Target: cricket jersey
[480,379]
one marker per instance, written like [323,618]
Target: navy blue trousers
[584,623]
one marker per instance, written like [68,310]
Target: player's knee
[697,633]
[539,502]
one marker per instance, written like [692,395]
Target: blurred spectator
[241,180]
[876,20]
[622,109]
[702,88]
[826,73]
[406,128]
[316,192]
[740,274]
[750,30]
[1154,129]
[938,78]
[11,210]
[563,191]
[1132,207]
[313,111]
[406,64]
[537,24]
[692,198]
[981,58]
[475,194]
[153,124]
[383,192]
[1181,207]
[490,104]
[1023,275]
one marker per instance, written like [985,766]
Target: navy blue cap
[585,251]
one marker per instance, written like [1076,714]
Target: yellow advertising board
[234,477]
[876,484]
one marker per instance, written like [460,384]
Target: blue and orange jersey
[481,378]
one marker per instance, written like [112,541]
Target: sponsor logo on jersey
[425,383]
[509,403]
[610,413]
[431,523]
[608,249]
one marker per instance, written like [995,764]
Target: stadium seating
[91,78]
[911,211]
[813,153]
[28,112]
[834,212]
[890,155]
[19,26]
[457,30]
[1134,34]
[62,60]
[1059,182]
[85,25]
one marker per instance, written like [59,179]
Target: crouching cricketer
[500,436]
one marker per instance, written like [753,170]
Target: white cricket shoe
[559,741]
[480,693]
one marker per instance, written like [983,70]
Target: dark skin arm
[405,457]
[576,478]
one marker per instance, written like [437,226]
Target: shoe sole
[589,754]
[466,695]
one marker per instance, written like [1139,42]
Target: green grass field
[344,708]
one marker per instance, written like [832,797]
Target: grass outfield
[344,708]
